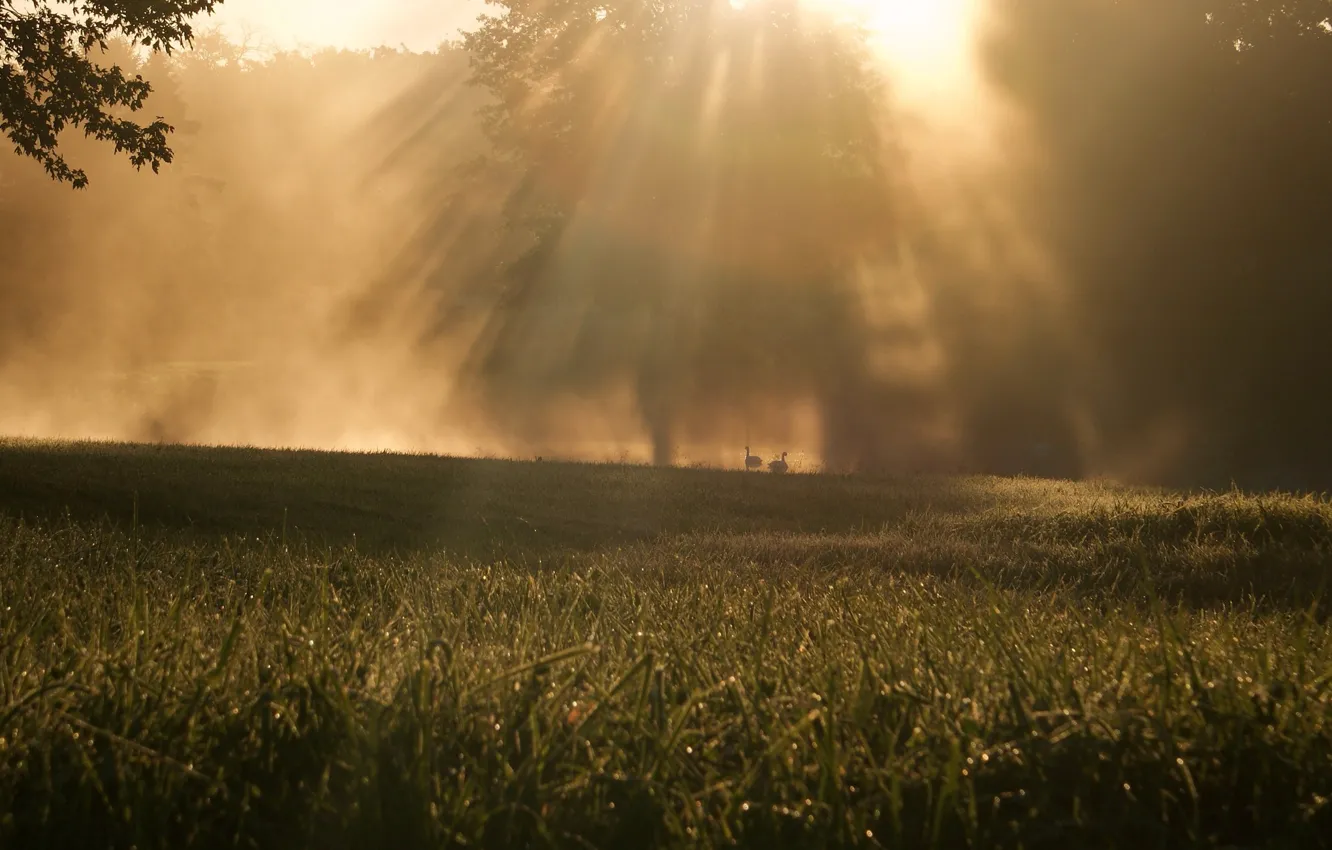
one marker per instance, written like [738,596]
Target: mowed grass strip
[923,663]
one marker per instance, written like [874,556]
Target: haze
[353,24]
[981,239]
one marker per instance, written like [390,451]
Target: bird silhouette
[752,461]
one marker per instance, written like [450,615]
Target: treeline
[1185,191]
[701,223]
[723,217]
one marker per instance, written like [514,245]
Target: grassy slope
[407,502]
[730,658]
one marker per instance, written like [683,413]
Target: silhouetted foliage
[1187,194]
[51,79]
[697,186]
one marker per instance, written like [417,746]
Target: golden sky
[926,38]
[419,24]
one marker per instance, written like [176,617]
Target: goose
[779,466]
[752,461]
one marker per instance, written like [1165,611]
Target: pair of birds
[754,462]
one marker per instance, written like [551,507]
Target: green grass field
[244,648]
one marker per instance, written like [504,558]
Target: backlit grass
[663,658]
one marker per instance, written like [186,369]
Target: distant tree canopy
[697,183]
[765,121]
[50,79]
[1186,192]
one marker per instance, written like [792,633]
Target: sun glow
[927,40]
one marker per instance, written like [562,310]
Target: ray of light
[929,41]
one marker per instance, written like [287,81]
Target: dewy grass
[988,664]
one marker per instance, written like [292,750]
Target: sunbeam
[928,44]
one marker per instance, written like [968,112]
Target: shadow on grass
[481,508]
[1092,539]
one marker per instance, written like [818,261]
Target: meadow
[243,648]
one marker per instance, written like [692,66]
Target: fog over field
[1070,239]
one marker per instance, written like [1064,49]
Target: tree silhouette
[1187,193]
[50,79]
[694,185]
